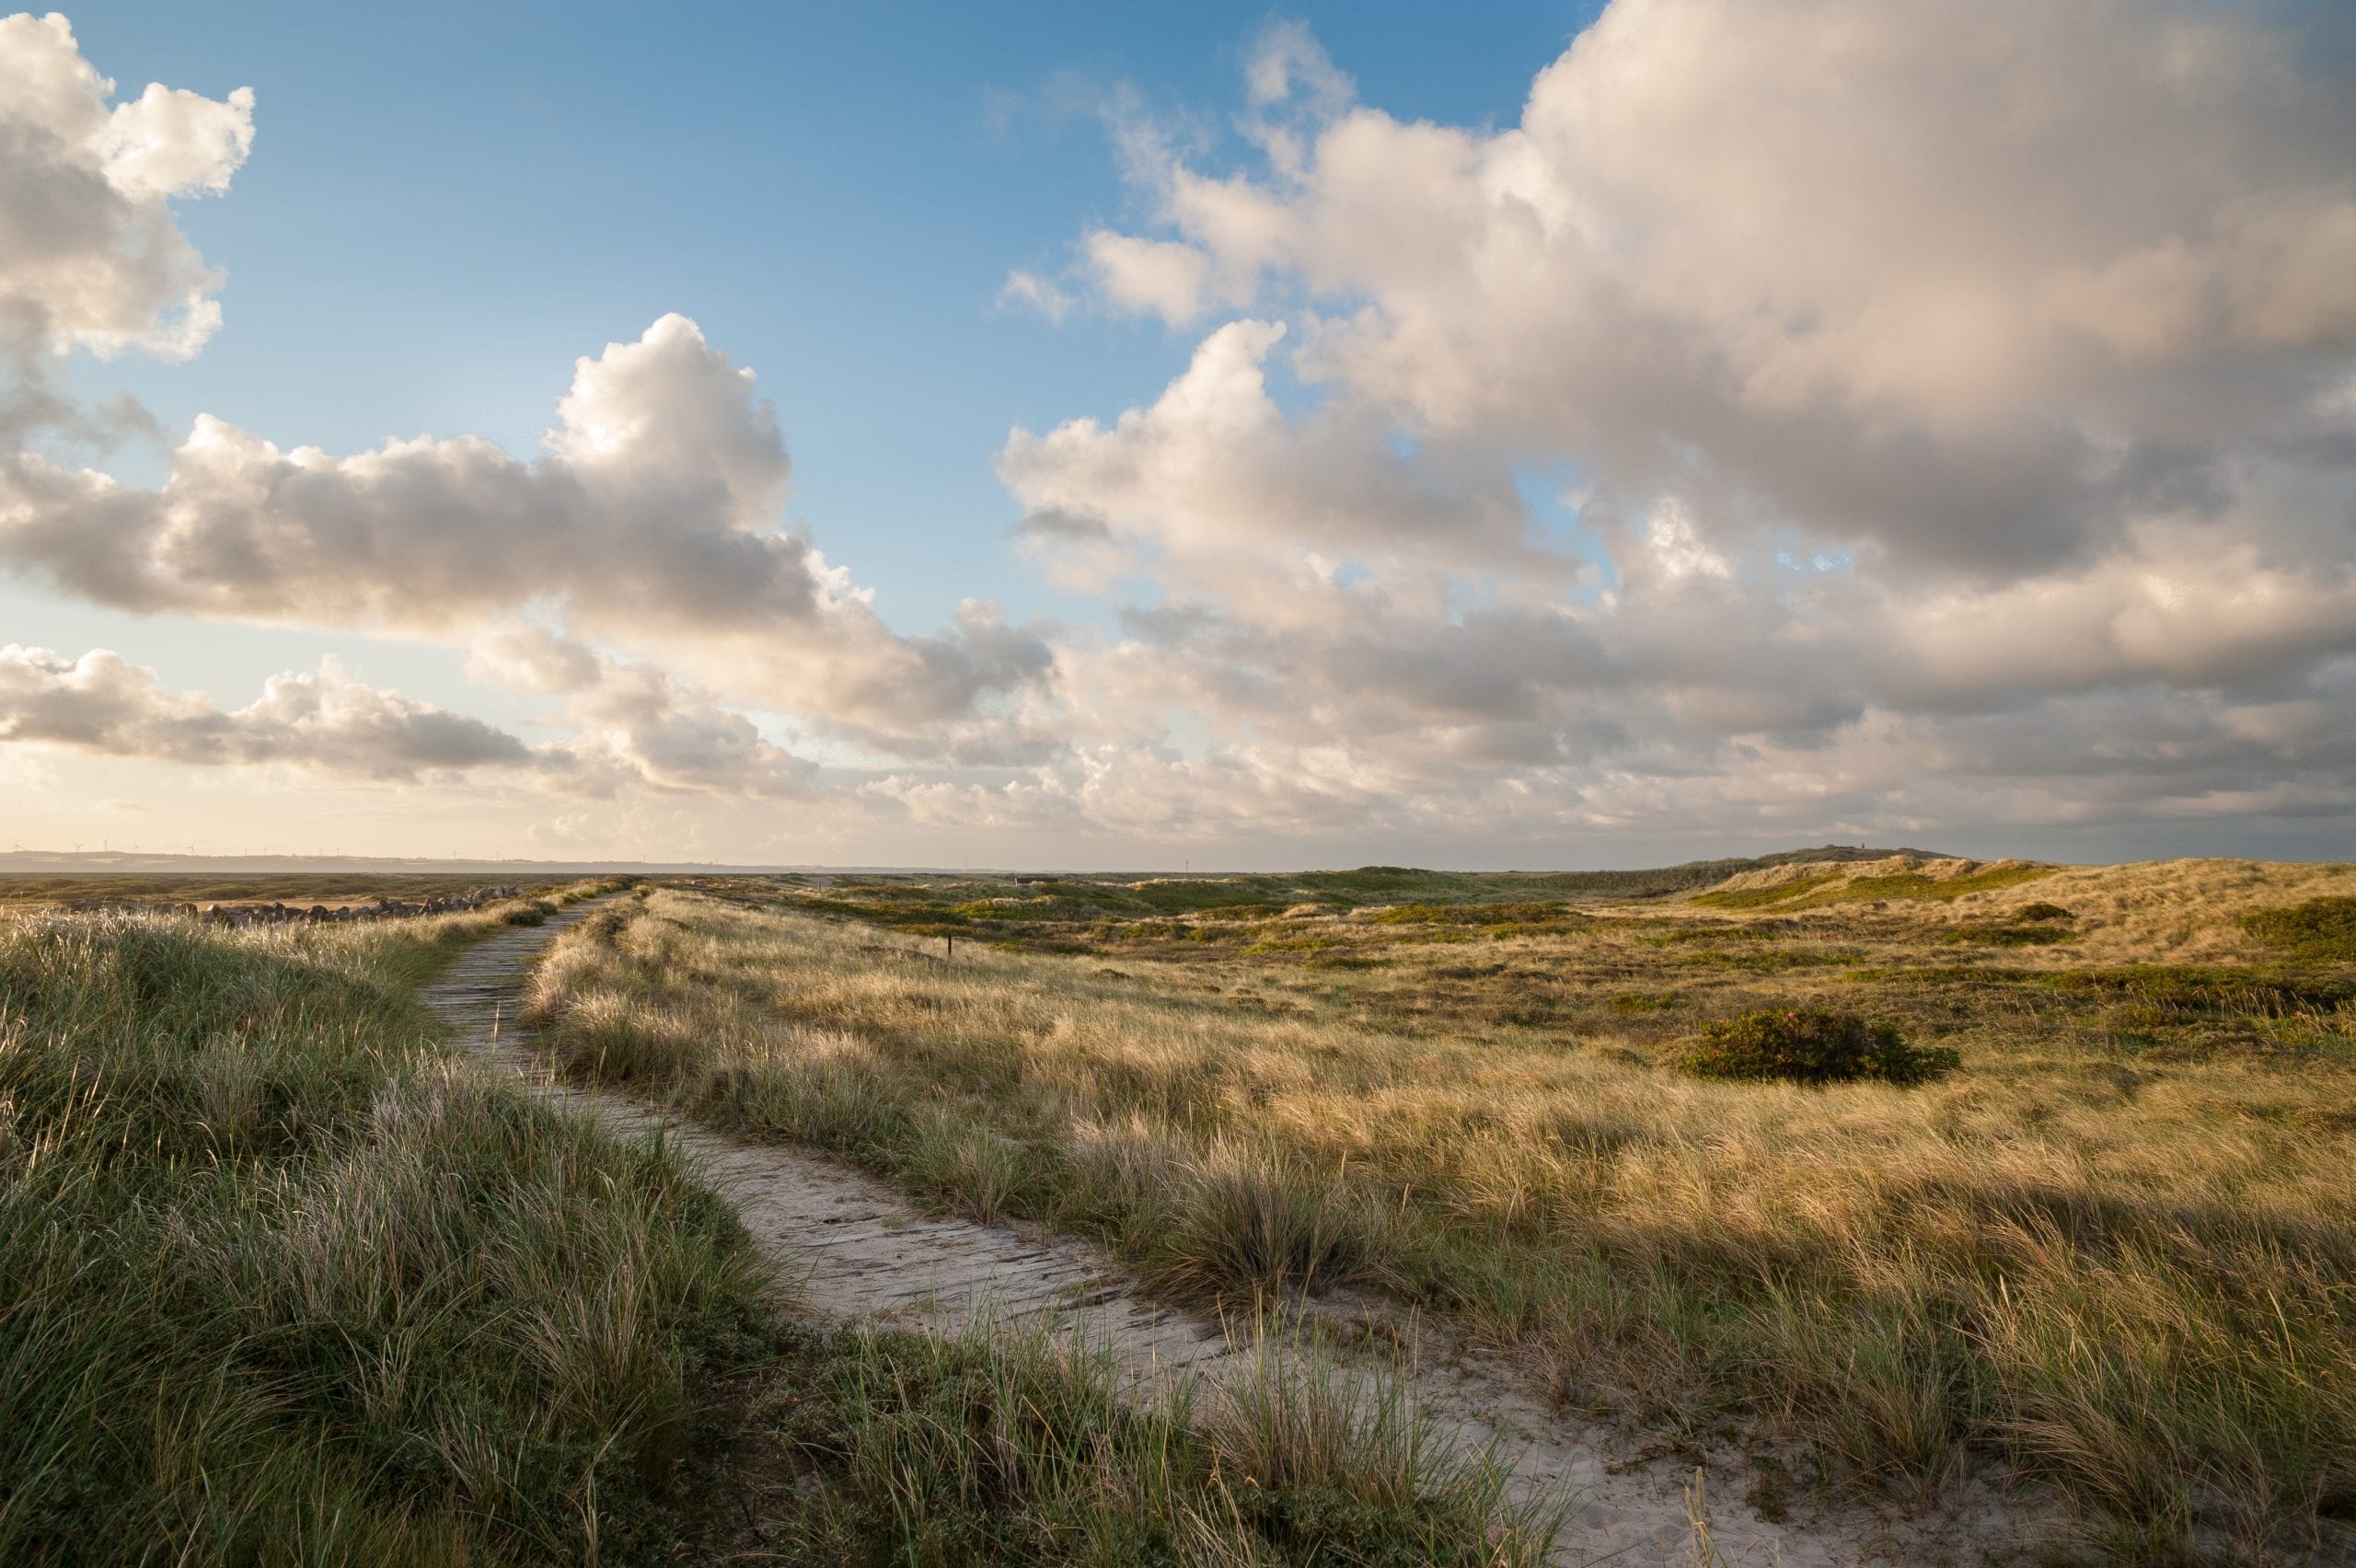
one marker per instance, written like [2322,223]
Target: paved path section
[860,1252]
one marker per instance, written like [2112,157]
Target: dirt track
[860,1250]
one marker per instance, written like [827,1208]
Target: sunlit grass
[282,1281]
[2113,1252]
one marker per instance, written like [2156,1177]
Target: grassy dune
[282,1281]
[206,887]
[2112,1252]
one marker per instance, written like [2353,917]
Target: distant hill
[1694,875]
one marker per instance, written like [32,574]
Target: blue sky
[1491,523]
[448,204]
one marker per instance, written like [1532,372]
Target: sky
[1512,435]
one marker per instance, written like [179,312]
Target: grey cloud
[2069,392]
[633,727]
[325,722]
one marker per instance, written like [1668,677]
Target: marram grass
[282,1281]
[2115,1261]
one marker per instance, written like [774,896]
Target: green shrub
[2320,929]
[1814,1045]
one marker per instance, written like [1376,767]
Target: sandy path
[858,1250]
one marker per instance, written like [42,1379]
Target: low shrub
[1815,1046]
[2321,929]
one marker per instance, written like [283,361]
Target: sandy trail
[859,1251]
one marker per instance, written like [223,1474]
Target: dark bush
[2036,913]
[1814,1045]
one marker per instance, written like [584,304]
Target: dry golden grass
[2150,912]
[283,1281]
[165,889]
[2114,1252]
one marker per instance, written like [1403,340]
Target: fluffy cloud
[1810,416]
[634,730]
[326,724]
[1972,288]
[651,522]
[1929,390]
[89,255]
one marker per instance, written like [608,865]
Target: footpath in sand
[860,1252]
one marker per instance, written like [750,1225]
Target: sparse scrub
[1815,1046]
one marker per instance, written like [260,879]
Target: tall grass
[282,1281]
[1014,1448]
[2130,1280]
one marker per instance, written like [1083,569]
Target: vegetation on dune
[1814,1045]
[2113,1254]
[1818,890]
[2007,933]
[1757,898]
[1668,881]
[167,888]
[2322,929]
[282,1281]
[283,1284]
[999,1448]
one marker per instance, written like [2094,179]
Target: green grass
[284,1282]
[1002,1448]
[2320,931]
